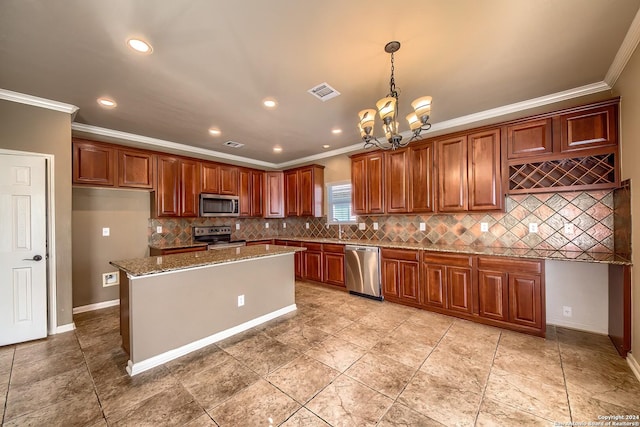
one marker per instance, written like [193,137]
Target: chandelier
[388,110]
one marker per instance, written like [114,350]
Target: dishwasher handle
[362,248]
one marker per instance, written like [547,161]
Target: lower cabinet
[333,264]
[161,252]
[399,271]
[446,282]
[260,242]
[298,257]
[320,262]
[313,262]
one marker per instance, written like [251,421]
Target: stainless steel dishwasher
[362,264]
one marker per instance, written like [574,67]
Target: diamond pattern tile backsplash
[591,214]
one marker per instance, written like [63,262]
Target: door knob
[35,258]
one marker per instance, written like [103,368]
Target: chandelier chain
[392,81]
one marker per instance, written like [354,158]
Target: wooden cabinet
[93,163]
[525,305]
[161,252]
[273,195]
[493,295]
[333,264]
[446,283]
[452,174]
[396,181]
[531,138]
[400,275]
[313,262]
[367,183]
[250,192]
[166,198]
[228,180]
[210,177]
[135,169]
[484,171]
[304,191]
[421,186]
[189,184]
[298,256]
[588,129]
[260,242]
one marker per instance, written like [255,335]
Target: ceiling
[213,62]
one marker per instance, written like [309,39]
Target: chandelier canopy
[388,111]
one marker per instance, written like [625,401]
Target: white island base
[167,315]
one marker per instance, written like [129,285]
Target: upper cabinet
[93,163]
[189,187]
[228,180]
[484,171]
[367,183]
[210,177]
[135,169]
[531,138]
[421,187]
[273,195]
[588,129]
[452,174]
[396,181]
[177,187]
[304,191]
[250,192]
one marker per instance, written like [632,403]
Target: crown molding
[161,143]
[22,98]
[625,51]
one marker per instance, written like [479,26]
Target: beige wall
[126,213]
[628,87]
[337,168]
[38,130]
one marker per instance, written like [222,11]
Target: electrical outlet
[423,226]
[533,227]
[284,225]
[240,300]
[266,225]
[306,225]
[159,229]
[362,226]
[110,279]
[375,225]
[484,227]
[568,229]
[566,311]
[106,231]
[237,226]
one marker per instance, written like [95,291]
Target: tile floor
[339,360]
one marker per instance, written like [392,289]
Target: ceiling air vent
[233,144]
[323,91]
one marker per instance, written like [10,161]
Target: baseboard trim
[577,326]
[633,364]
[96,306]
[64,328]
[152,362]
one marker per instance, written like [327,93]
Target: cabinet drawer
[446,259]
[336,249]
[401,254]
[510,265]
[313,246]
[284,243]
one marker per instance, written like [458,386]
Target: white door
[23,265]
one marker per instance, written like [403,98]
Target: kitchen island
[174,304]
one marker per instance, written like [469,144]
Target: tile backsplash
[591,214]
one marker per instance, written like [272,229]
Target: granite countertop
[159,264]
[597,257]
[162,246]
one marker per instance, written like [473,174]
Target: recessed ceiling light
[270,103]
[139,45]
[326,146]
[106,102]
[214,131]
[277,149]
[336,131]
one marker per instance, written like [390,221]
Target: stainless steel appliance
[212,205]
[362,265]
[216,237]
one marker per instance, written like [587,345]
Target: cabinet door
[525,305]
[93,164]
[298,259]
[167,198]
[485,177]
[305,192]
[531,138]
[189,188]
[493,295]
[313,265]
[375,187]
[459,290]
[359,185]
[210,177]
[409,281]
[244,192]
[135,169]
[256,193]
[390,278]
[452,174]
[333,268]
[396,181]
[274,195]
[291,193]
[432,291]
[228,180]
[421,194]
[588,129]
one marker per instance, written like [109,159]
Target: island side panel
[124,312]
[175,309]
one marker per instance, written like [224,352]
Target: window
[339,196]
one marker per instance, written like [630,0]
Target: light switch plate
[375,225]
[266,225]
[423,226]
[484,226]
[159,229]
[306,225]
[362,226]
[533,227]
[284,225]
[106,231]
[237,226]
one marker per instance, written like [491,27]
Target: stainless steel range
[216,237]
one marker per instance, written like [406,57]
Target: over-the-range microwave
[218,205]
